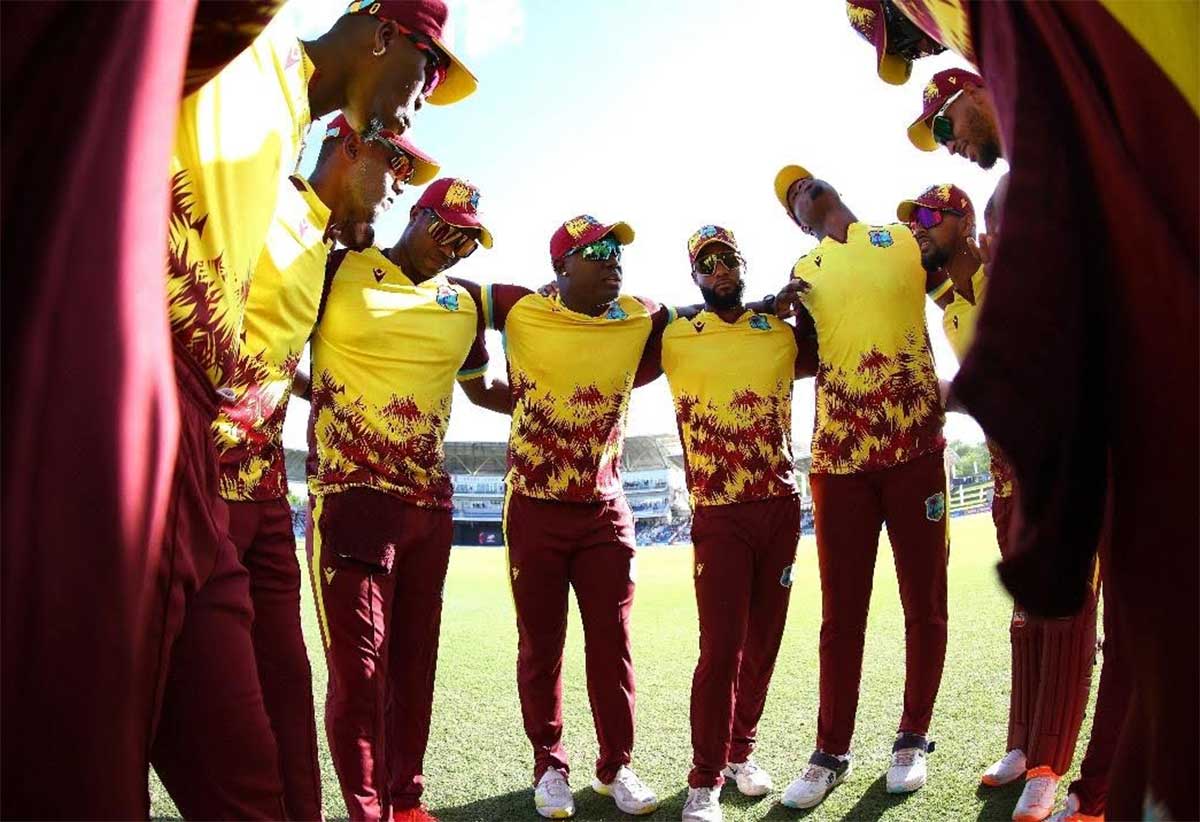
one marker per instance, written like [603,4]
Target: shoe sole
[823,796]
[1031,817]
[898,789]
[996,782]
[556,813]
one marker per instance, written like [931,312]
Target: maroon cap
[938,91]
[582,230]
[875,21]
[427,17]
[945,197]
[456,202]
[425,168]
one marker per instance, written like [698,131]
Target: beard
[733,299]
[989,153]
[936,258]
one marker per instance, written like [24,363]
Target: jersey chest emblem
[616,313]
[880,237]
[699,326]
[759,322]
[447,298]
[379,272]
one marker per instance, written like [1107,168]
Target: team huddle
[262,262]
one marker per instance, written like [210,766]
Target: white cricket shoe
[751,779]
[630,793]
[703,805]
[823,774]
[1037,800]
[1070,812]
[1008,768]
[908,770]
[552,796]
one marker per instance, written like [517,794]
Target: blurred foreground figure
[1097,111]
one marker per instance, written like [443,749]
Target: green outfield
[479,766]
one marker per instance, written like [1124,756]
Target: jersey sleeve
[806,348]
[476,363]
[497,300]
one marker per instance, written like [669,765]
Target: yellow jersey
[877,393]
[280,313]
[238,138]
[571,376]
[385,357]
[732,387]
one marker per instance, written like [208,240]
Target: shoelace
[749,767]
[703,796]
[559,791]
[817,773]
[905,758]
[1043,788]
[629,781]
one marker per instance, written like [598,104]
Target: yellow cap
[783,182]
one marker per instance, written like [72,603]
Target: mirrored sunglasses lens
[943,129]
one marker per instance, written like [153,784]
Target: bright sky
[668,115]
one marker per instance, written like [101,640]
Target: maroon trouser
[379,566]
[1052,662]
[743,576]
[90,415]
[261,531]
[1112,705]
[213,749]
[552,547]
[848,511]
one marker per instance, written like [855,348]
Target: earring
[379,51]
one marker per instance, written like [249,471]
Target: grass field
[478,766]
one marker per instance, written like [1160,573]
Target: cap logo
[461,196]
[943,193]
[860,17]
[931,91]
[579,225]
[952,80]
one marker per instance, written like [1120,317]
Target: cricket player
[572,363]
[1105,97]
[395,334]
[237,138]
[353,181]
[876,459]
[1052,659]
[897,40]
[731,371]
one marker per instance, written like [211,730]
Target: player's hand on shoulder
[787,301]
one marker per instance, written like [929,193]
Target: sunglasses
[436,61]
[927,218]
[451,237]
[402,165]
[602,250]
[942,126]
[730,259]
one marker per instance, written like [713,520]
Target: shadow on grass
[998,803]
[875,800]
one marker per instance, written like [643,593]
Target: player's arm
[939,288]
[805,333]
[494,395]
[302,386]
[220,32]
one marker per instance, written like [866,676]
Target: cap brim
[711,241]
[894,69]
[921,135]
[461,220]
[783,182]
[425,168]
[622,231]
[458,83]
[905,210]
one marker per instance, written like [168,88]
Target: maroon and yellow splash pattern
[237,140]
[877,392]
[281,311]
[386,355]
[571,376]
[732,384]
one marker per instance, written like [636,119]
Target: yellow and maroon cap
[427,17]
[945,197]
[707,235]
[893,60]
[940,89]
[455,202]
[582,230]
[425,168]
[783,183]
